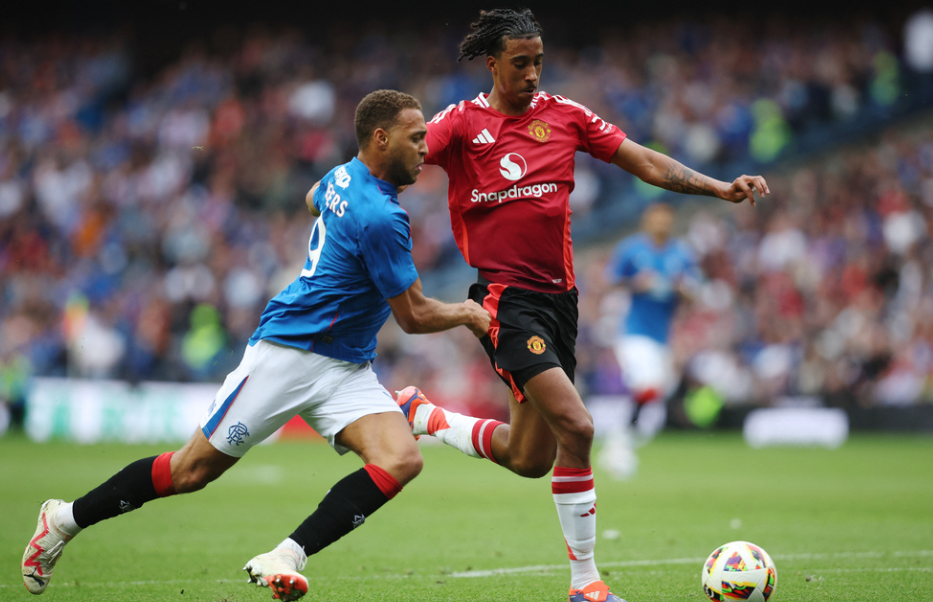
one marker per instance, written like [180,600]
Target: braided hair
[494,27]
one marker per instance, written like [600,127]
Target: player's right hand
[745,187]
[479,325]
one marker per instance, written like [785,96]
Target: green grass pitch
[848,525]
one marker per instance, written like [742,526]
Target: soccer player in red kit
[509,156]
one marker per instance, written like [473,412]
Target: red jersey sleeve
[598,137]
[440,136]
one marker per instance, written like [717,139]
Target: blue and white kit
[642,341]
[311,353]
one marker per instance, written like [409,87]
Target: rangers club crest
[236,433]
[539,130]
[536,345]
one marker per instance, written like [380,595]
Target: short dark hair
[495,26]
[380,109]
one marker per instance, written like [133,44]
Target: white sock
[292,546]
[575,498]
[472,436]
[64,520]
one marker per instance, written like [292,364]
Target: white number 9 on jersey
[315,246]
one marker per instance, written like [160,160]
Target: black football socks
[344,508]
[129,489]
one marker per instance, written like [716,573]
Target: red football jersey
[510,183]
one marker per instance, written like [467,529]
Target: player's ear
[491,63]
[381,139]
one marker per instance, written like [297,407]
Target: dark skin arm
[662,171]
[417,314]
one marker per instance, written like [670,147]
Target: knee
[412,466]
[577,430]
[405,465]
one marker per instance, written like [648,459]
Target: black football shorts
[530,332]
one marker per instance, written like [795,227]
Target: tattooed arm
[660,170]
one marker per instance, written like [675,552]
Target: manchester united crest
[536,345]
[539,130]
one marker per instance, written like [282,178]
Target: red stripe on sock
[437,421]
[491,426]
[162,475]
[571,480]
[386,483]
[572,487]
[482,437]
[561,471]
[475,437]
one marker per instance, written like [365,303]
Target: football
[739,570]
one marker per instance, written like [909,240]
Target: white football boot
[278,570]
[44,549]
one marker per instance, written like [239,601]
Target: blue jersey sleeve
[318,197]
[387,253]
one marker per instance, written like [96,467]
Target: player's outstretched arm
[660,170]
[417,314]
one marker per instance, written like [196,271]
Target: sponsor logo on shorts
[536,345]
[539,130]
[237,433]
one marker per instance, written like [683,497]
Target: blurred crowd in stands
[146,218]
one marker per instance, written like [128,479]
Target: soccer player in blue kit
[659,272]
[310,356]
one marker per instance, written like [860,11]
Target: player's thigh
[559,404]
[271,385]
[358,394]
[531,439]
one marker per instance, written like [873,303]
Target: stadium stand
[150,208]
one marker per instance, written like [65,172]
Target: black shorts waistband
[483,281]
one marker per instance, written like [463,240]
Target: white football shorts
[273,383]
[646,364]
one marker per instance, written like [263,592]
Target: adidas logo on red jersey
[484,137]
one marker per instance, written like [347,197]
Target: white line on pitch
[635,563]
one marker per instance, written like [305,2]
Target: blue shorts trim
[214,422]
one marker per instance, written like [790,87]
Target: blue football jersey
[359,255]
[651,312]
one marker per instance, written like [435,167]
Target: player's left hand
[745,187]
